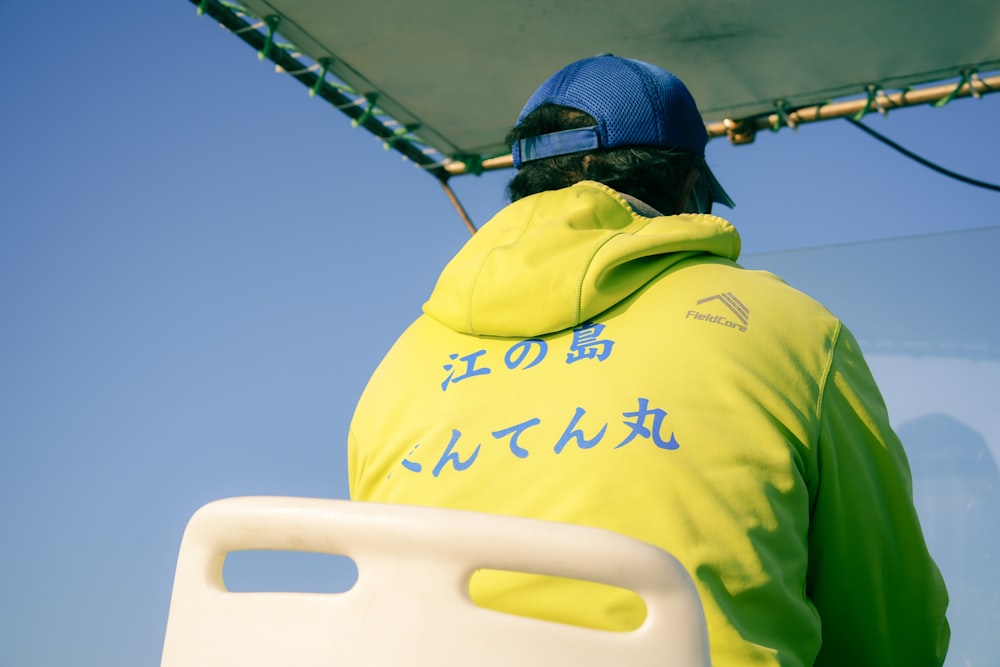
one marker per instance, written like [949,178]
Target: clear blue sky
[200,265]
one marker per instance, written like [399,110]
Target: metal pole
[743,131]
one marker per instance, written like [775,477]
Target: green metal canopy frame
[441,81]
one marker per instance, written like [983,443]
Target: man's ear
[685,194]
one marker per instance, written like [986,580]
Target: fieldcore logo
[736,308]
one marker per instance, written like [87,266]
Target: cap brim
[719,195]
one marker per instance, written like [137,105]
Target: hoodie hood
[554,260]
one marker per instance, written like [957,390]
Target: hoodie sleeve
[879,595]
[355,466]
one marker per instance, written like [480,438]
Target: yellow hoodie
[580,362]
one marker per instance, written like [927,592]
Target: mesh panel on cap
[634,103]
[614,92]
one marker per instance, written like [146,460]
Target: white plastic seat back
[410,604]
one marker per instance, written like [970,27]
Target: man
[595,355]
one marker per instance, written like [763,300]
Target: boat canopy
[443,81]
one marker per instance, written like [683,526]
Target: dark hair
[654,175]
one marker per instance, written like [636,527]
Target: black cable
[926,163]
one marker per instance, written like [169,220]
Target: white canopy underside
[462,70]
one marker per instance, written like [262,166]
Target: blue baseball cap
[634,104]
